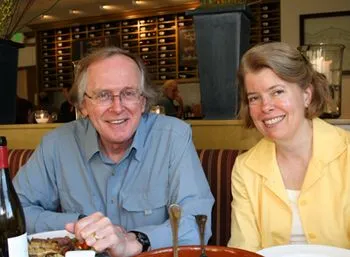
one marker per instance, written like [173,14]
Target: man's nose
[116,104]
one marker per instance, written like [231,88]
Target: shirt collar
[324,149]
[137,145]
[329,141]
[141,135]
[91,140]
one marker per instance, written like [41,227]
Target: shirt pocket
[145,208]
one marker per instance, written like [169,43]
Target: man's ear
[143,103]
[83,109]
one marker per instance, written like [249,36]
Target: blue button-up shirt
[69,171]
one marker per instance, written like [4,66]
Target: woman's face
[277,107]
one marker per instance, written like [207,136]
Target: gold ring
[95,236]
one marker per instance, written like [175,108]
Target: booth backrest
[217,165]
[17,158]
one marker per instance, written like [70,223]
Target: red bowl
[195,251]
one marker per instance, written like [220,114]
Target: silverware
[175,215]
[201,220]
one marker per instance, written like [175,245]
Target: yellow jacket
[261,216]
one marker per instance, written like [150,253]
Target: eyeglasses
[126,97]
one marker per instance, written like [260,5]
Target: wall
[190,93]
[27,56]
[290,11]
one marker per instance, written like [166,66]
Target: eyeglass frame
[94,98]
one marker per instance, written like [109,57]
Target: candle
[320,64]
[41,116]
[42,119]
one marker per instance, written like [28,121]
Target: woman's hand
[98,232]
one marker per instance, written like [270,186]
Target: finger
[100,227]
[70,227]
[84,227]
[116,241]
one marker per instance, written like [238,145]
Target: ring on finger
[95,236]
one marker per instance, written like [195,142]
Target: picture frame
[328,28]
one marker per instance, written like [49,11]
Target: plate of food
[307,250]
[58,243]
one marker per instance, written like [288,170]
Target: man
[121,165]
[67,110]
[171,100]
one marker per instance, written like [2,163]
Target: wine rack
[266,24]
[153,38]
[158,40]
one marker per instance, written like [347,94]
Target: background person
[120,165]
[293,186]
[24,111]
[67,109]
[171,99]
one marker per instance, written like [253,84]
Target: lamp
[327,59]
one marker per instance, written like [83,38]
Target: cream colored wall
[27,56]
[290,11]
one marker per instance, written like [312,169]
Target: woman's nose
[267,105]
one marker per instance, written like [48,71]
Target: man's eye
[129,93]
[103,95]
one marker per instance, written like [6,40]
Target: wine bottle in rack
[13,236]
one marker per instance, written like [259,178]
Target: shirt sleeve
[189,188]
[244,228]
[37,190]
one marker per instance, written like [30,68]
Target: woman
[293,186]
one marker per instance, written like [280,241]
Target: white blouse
[298,235]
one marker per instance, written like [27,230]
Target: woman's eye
[278,92]
[252,99]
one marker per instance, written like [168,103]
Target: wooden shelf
[155,38]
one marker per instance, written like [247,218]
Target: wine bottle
[13,236]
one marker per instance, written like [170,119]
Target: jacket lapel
[262,160]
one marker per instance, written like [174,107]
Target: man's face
[116,122]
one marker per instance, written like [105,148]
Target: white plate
[51,234]
[304,251]
[63,233]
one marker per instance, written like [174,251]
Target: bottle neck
[3,157]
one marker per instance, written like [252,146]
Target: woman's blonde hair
[288,64]
[80,75]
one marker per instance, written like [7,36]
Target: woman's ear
[308,93]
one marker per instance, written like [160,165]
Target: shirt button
[312,236]
[303,203]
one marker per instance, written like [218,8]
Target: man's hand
[99,233]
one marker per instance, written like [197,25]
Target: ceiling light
[46,17]
[107,7]
[74,11]
[136,2]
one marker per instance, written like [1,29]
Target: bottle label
[3,157]
[18,246]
